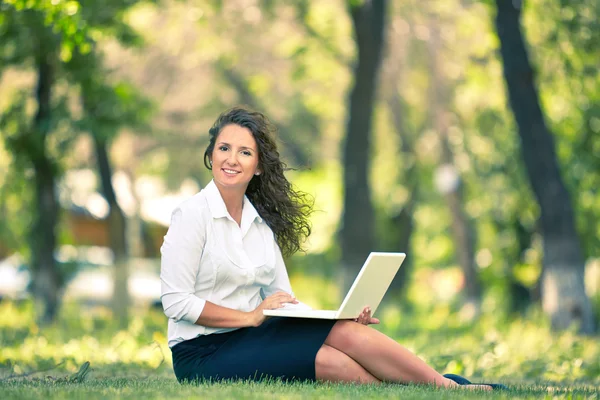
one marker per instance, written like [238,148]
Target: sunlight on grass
[81,334]
[522,350]
[136,362]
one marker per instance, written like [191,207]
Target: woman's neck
[234,202]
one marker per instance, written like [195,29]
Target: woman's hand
[272,302]
[365,317]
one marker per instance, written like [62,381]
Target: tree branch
[302,9]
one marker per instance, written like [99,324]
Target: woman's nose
[232,159]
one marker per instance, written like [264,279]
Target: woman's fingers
[273,305]
[284,297]
[365,317]
[278,300]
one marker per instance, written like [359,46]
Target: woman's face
[235,157]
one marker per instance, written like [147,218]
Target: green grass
[160,388]
[135,363]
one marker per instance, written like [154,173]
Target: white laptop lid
[371,284]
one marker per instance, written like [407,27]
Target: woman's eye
[223,148]
[246,153]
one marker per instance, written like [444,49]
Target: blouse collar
[218,209]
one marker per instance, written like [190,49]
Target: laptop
[368,289]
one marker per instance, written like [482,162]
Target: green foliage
[15,193]
[57,39]
[111,107]
[566,45]
[63,17]
[293,60]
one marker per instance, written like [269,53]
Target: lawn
[135,363]
[160,388]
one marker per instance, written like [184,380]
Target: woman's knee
[326,359]
[334,366]
[347,335]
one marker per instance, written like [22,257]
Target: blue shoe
[464,381]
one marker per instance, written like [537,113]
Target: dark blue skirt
[281,348]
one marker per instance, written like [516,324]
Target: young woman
[222,265]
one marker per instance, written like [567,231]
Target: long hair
[284,209]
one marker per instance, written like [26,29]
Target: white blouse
[207,256]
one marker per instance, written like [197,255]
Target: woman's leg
[334,366]
[383,357]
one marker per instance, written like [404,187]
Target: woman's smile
[235,157]
[231,172]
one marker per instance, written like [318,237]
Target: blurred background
[464,133]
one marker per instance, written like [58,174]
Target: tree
[106,110]
[563,291]
[45,50]
[400,226]
[56,40]
[357,233]
[451,184]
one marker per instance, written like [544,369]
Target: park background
[464,133]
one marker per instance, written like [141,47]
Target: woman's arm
[223,317]
[180,263]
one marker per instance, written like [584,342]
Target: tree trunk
[137,244]
[402,224]
[357,221]
[403,227]
[118,238]
[46,277]
[404,220]
[462,230]
[563,290]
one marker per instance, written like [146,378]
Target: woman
[222,265]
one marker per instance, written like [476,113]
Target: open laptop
[368,289]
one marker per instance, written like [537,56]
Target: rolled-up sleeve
[180,262]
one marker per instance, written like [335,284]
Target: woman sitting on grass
[222,265]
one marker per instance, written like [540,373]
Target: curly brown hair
[284,209]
